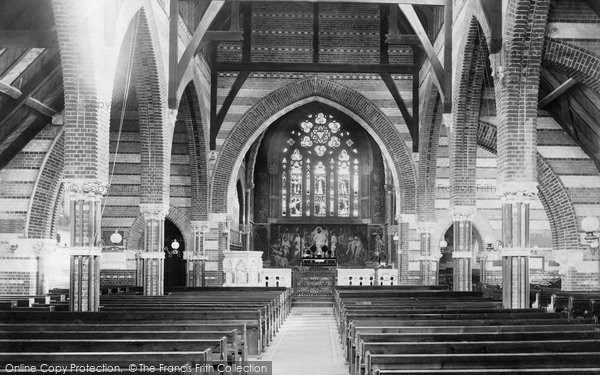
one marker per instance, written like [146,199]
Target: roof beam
[235,88]
[566,85]
[411,2]
[32,88]
[317,68]
[32,103]
[173,52]
[223,36]
[436,65]
[391,85]
[188,55]
[28,39]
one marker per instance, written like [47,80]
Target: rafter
[32,88]
[32,103]
[438,69]
[209,15]
[317,68]
[223,36]
[391,85]
[235,88]
[413,2]
[28,39]
[564,87]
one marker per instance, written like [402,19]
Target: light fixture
[175,245]
[489,243]
[396,237]
[590,225]
[443,244]
[116,237]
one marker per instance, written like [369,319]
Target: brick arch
[431,120]
[135,235]
[281,101]
[572,61]
[552,193]
[481,228]
[149,80]
[40,214]
[462,138]
[190,113]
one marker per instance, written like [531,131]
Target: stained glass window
[319,177]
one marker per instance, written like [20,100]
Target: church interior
[327,187]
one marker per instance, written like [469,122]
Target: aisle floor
[307,343]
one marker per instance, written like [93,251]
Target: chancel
[333,187]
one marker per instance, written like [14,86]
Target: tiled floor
[307,343]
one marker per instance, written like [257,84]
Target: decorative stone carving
[463,213]
[517,192]
[448,121]
[86,189]
[154,210]
[242,268]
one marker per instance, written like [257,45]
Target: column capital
[200,225]
[517,192]
[86,189]
[219,217]
[85,251]
[426,227]
[463,213]
[172,114]
[154,210]
[448,121]
[152,255]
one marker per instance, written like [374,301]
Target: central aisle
[307,343]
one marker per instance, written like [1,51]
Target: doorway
[174,247]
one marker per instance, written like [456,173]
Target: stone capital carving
[425,227]
[200,226]
[448,121]
[86,189]
[463,213]
[172,115]
[156,211]
[517,192]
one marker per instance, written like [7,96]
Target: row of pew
[192,328]
[392,330]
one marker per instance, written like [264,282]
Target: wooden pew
[511,361]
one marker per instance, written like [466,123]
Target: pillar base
[515,278]
[153,273]
[84,286]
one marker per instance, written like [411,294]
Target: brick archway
[176,215]
[189,112]
[155,132]
[283,100]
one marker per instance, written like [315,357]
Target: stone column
[515,199]
[152,259]
[85,211]
[428,258]
[389,218]
[43,250]
[249,218]
[462,217]
[196,258]
[402,252]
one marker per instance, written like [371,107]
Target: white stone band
[152,255]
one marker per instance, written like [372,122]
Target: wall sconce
[396,237]
[491,244]
[175,246]
[443,245]
[590,225]
[116,239]
[13,245]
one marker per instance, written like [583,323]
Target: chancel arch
[284,100]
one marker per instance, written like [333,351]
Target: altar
[319,262]
[314,281]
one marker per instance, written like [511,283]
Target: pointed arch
[281,101]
